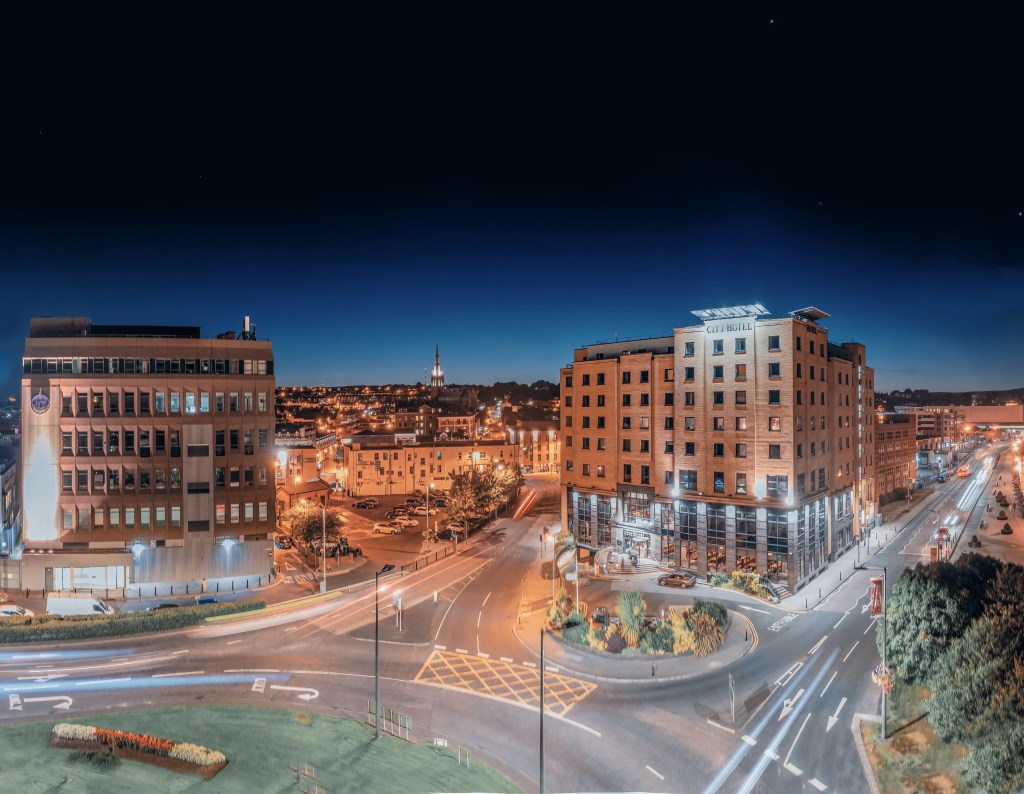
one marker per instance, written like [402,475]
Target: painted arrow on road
[751,609]
[310,694]
[42,679]
[17,701]
[835,717]
[787,704]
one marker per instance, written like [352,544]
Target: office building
[742,443]
[147,455]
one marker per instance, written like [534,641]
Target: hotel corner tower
[742,443]
[146,454]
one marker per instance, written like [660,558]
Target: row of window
[81,365]
[107,402]
[109,442]
[110,480]
[156,517]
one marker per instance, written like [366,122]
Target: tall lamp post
[376,650]
[323,548]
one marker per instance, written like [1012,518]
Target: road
[457,667]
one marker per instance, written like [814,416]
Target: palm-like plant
[631,608]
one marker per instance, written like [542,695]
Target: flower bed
[178,757]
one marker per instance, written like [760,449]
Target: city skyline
[511,203]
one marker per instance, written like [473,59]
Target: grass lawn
[914,759]
[261,745]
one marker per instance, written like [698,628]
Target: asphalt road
[457,667]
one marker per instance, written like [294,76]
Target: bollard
[745,635]
[218,587]
[652,671]
[805,602]
[232,585]
[819,592]
[186,589]
[840,576]
[172,589]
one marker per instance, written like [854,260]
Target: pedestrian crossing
[302,577]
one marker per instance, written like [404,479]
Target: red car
[677,580]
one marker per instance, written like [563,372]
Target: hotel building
[147,455]
[743,443]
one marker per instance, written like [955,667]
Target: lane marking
[817,784]
[835,717]
[100,681]
[871,625]
[529,664]
[656,774]
[749,740]
[258,685]
[479,617]
[505,659]
[461,650]
[551,668]
[720,726]
[483,655]
[485,600]
[841,620]
[292,628]
[792,747]
[795,770]
[232,642]
[441,647]
[772,755]
[828,684]
[851,650]
[253,670]
[818,644]
[175,675]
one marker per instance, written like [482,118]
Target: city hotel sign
[729,328]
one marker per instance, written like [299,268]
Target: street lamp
[323,548]
[376,650]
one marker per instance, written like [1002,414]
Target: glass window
[190,401]
[741,344]
[687,348]
[175,406]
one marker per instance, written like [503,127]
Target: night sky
[513,184]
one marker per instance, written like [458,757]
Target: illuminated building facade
[148,454]
[718,448]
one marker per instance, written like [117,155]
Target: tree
[306,523]
[929,608]
[467,496]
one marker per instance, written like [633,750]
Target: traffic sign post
[732,696]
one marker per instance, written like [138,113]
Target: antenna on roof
[248,329]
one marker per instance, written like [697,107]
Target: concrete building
[539,444]
[147,454]
[431,421]
[896,455]
[743,443]
[10,522]
[383,465]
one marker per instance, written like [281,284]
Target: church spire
[437,374]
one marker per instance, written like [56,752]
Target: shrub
[720,579]
[614,642]
[576,628]
[650,643]
[714,610]
[631,608]
[707,636]
[628,651]
[196,754]
[71,730]
[54,628]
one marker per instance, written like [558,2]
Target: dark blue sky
[514,187]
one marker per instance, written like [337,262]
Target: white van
[77,604]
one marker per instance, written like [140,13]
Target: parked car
[14,611]
[677,580]
[283,541]
[599,616]
[423,510]
[439,501]
[363,504]
[167,605]
[395,512]
[405,521]
[390,528]
[414,502]
[207,600]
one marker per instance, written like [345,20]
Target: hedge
[54,628]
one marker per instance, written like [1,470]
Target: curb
[862,751]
